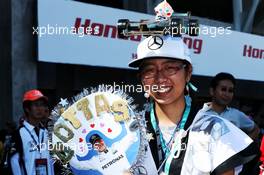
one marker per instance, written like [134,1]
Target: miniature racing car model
[176,25]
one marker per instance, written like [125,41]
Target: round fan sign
[97,134]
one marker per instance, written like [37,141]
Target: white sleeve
[149,163]
[214,146]
[226,141]
[15,164]
[51,161]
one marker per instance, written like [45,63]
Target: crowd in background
[257,131]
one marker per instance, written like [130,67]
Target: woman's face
[165,79]
[223,93]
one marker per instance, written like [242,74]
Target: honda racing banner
[80,33]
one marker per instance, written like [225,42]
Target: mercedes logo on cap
[155,43]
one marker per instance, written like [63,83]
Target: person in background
[5,146]
[222,88]
[262,157]
[2,150]
[29,156]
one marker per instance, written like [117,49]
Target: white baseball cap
[165,47]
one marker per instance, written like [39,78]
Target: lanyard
[160,140]
[34,140]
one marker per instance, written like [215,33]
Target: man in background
[28,156]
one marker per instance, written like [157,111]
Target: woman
[183,143]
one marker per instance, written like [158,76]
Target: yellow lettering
[120,109]
[101,104]
[63,138]
[82,105]
[64,153]
[69,115]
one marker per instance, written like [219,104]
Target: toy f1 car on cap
[177,24]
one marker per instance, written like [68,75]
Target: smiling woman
[155,72]
[183,142]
